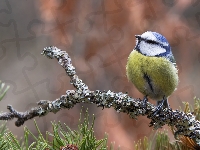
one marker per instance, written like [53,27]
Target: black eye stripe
[154,42]
[151,42]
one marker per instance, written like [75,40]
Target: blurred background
[98,35]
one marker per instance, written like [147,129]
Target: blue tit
[151,67]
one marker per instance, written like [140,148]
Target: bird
[152,68]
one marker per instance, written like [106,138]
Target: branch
[185,124]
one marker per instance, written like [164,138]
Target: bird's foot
[160,105]
[145,100]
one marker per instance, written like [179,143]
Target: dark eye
[151,42]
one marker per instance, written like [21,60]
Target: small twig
[185,124]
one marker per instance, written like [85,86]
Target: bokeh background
[98,35]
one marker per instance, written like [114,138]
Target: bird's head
[152,44]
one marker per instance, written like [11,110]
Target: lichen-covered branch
[185,124]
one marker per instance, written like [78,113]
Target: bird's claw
[160,105]
[145,100]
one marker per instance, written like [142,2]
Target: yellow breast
[155,77]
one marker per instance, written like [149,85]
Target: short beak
[138,36]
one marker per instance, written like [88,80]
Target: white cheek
[150,49]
